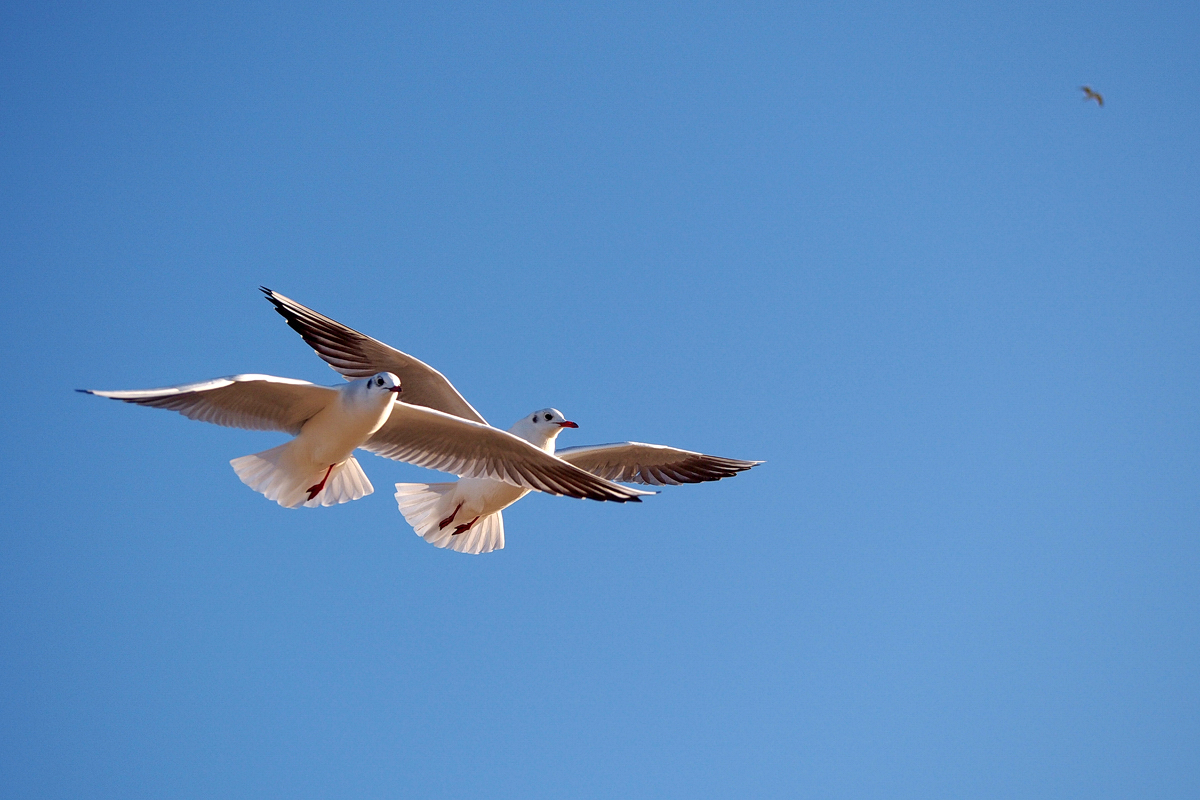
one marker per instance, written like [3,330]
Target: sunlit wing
[356,355]
[653,464]
[436,440]
[255,402]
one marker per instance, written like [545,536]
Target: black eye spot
[534,418]
[547,418]
[379,381]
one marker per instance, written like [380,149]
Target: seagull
[313,469]
[464,515]
[316,468]
[1090,94]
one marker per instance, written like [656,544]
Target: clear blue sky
[887,249]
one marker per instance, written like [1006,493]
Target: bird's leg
[465,528]
[450,518]
[316,488]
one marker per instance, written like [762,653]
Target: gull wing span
[655,464]
[255,402]
[436,440]
[356,355]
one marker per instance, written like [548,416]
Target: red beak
[395,389]
[567,424]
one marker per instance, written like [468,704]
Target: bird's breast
[333,434]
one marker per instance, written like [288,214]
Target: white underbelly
[483,496]
[334,433]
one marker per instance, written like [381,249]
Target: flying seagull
[316,468]
[464,515]
[1090,94]
[313,469]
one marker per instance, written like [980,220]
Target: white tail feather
[274,475]
[425,505]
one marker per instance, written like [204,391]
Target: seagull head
[382,383]
[542,427]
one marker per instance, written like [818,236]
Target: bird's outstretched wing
[356,355]
[437,440]
[255,402]
[654,464]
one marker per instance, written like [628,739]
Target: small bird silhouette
[1090,94]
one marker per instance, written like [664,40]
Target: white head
[541,427]
[377,388]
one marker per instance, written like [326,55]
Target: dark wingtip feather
[274,301]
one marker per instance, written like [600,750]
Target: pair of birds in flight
[398,407]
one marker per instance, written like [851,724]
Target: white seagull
[316,468]
[464,515]
[313,469]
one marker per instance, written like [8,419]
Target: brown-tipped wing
[255,402]
[653,464]
[356,355]
[436,440]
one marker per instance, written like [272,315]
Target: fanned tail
[272,474]
[347,482]
[425,505]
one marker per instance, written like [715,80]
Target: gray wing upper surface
[254,402]
[356,355]
[653,464]
[437,440]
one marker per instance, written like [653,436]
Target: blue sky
[887,249]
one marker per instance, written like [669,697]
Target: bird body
[357,411]
[320,456]
[482,497]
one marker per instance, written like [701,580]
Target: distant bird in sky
[464,515]
[329,422]
[1090,94]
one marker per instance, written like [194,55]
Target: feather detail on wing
[255,402]
[436,440]
[654,464]
[356,355]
